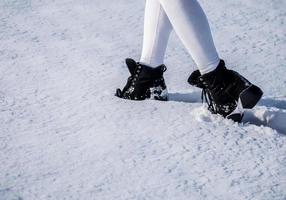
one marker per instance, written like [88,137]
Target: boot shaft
[218,84]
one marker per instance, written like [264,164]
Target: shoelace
[132,79]
[213,107]
[206,97]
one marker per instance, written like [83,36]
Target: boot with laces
[144,83]
[226,92]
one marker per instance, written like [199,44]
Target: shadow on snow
[273,118]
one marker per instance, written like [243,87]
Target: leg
[191,25]
[146,80]
[157,29]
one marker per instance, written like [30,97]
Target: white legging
[188,20]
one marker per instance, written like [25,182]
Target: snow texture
[64,135]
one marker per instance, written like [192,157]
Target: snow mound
[64,135]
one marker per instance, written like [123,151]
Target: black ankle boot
[144,83]
[226,92]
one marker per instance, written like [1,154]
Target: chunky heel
[250,96]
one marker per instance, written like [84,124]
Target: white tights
[189,22]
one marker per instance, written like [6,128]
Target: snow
[64,135]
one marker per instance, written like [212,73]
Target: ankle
[210,67]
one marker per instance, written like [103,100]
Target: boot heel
[250,96]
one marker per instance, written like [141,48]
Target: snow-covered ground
[64,135]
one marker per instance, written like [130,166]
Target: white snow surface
[64,135]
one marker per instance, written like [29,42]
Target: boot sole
[236,117]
